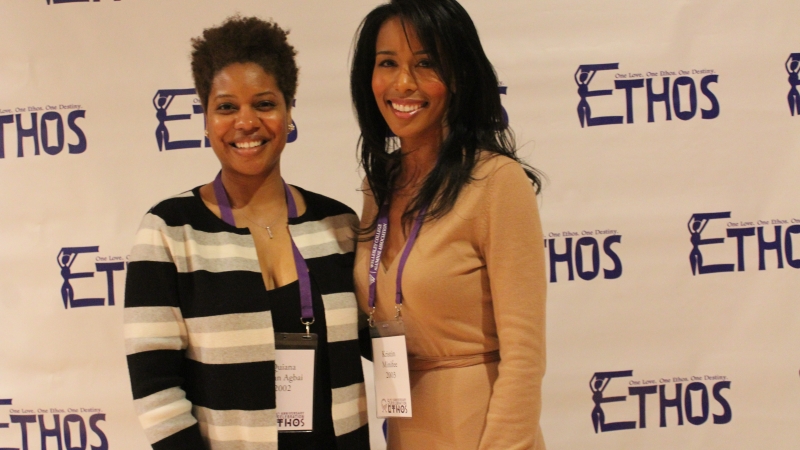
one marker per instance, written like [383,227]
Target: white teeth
[406,108]
[248,144]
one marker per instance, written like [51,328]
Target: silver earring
[206,133]
[291,127]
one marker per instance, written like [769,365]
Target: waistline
[440,362]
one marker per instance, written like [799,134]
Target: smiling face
[410,94]
[247,120]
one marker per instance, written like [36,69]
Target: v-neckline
[384,267]
[396,256]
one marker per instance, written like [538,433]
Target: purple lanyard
[307,317]
[381,231]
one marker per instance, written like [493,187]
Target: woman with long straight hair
[451,241]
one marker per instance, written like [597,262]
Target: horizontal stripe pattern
[325,237]
[341,316]
[229,322]
[153,328]
[231,339]
[349,408]
[239,434]
[227,339]
[199,332]
[164,413]
[235,417]
[236,355]
[192,250]
[237,425]
[240,445]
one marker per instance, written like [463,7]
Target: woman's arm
[514,254]
[155,340]
[368,212]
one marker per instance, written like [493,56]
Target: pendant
[269,231]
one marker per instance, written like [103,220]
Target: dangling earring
[206,133]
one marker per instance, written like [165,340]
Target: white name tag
[390,365]
[294,386]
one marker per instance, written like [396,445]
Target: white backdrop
[662,341]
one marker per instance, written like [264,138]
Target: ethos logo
[760,236]
[290,420]
[103,264]
[394,406]
[42,128]
[53,428]
[181,122]
[580,252]
[693,402]
[793,68]
[677,94]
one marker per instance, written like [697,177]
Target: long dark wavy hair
[474,113]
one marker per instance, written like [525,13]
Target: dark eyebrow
[260,94]
[391,53]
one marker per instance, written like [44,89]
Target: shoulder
[173,203]
[506,197]
[325,228]
[186,208]
[495,173]
[177,209]
[319,206]
[325,212]
[491,164]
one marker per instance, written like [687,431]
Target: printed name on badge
[390,366]
[294,381]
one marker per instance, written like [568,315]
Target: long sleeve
[514,255]
[155,340]
[368,213]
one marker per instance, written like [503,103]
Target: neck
[254,194]
[418,159]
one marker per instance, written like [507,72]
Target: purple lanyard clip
[378,242]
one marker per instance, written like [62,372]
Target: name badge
[390,365]
[294,381]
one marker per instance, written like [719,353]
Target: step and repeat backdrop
[668,132]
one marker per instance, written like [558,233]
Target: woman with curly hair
[462,262]
[221,273]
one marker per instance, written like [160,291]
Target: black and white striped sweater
[200,340]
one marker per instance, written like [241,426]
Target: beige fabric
[474,284]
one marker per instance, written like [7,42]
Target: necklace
[266,227]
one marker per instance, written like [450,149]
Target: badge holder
[295,353]
[389,351]
[294,380]
[390,367]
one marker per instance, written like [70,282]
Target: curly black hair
[244,40]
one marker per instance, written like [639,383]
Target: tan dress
[474,311]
